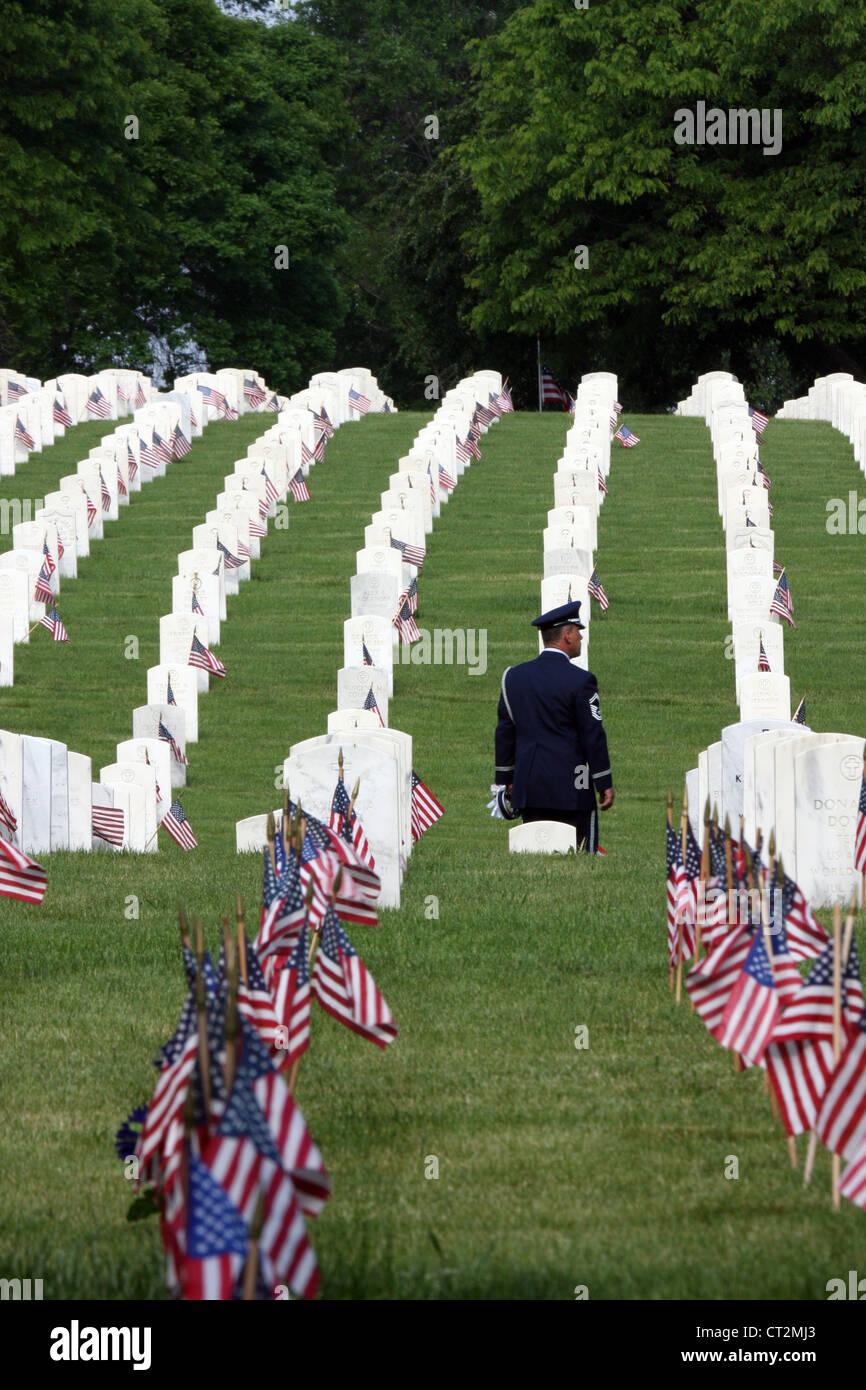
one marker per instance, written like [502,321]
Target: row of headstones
[570,540]
[841,401]
[378,757]
[232,528]
[579,488]
[777,774]
[47,787]
[743,503]
[34,414]
[74,514]
[802,785]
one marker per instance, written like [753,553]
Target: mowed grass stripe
[557,1167]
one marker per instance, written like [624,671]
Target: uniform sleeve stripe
[504,696]
[596,775]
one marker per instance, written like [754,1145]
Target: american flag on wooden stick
[104,493]
[759,421]
[140,397]
[7,815]
[254,393]
[782,604]
[370,703]
[176,750]
[346,989]
[98,405]
[51,620]
[763,662]
[596,589]
[298,487]
[160,448]
[346,824]
[149,455]
[358,401]
[291,1001]
[602,485]
[426,810]
[178,827]
[445,479]
[860,832]
[203,657]
[627,439]
[180,445]
[412,554]
[122,489]
[23,435]
[61,414]
[20,876]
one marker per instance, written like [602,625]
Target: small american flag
[149,455]
[484,416]
[123,393]
[203,657]
[405,622]
[842,1117]
[462,451]
[122,489]
[254,393]
[51,620]
[860,834]
[131,465]
[365,654]
[432,487]
[7,815]
[196,606]
[178,827]
[710,982]
[232,562]
[176,750]
[472,444]
[764,476]
[799,1057]
[602,485]
[782,604]
[169,694]
[445,479]
[613,420]
[323,422]
[61,414]
[412,554]
[752,1008]
[292,999]
[494,406]
[596,588]
[273,404]
[15,391]
[216,1238]
[306,455]
[106,495]
[160,448]
[212,396]
[20,876]
[759,421]
[370,703]
[271,494]
[345,822]
[800,712]
[22,435]
[107,824]
[42,593]
[763,662]
[426,810]
[140,397]
[626,438]
[298,487]
[319,449]
[92,512]
[97,405]
[346,989]
[358,401]
[180,445]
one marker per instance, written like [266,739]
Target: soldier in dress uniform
[551,748]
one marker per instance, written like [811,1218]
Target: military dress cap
[558,617]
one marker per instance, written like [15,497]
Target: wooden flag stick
[285,825]
[233,1026]
[242,939]
[251,1264]
[272,840]
[810,1159]
[308,898]
[837,1025]
[729,868]
[684,821]
[352,799]
[201,1017]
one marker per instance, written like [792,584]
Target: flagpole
[538,354]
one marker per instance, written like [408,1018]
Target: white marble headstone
[827,781]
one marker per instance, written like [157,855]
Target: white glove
[497,807]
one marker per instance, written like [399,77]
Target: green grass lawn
[557,1167]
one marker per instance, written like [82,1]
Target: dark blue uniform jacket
[550,741]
